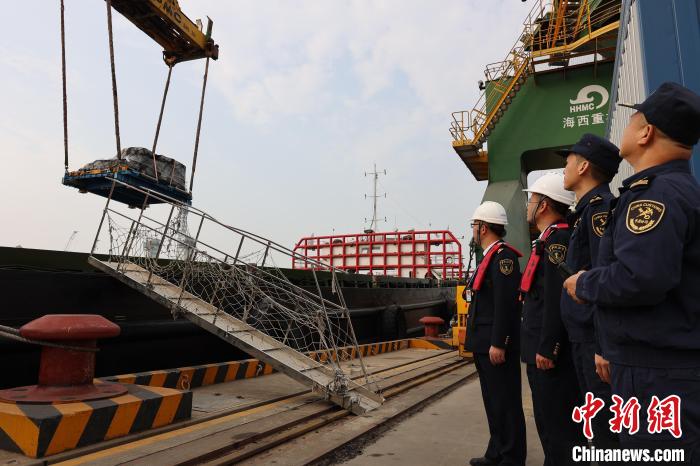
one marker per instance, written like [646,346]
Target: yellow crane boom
[165,23]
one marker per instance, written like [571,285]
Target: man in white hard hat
[545,343]
[492,336]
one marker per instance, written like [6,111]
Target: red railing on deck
[417,254]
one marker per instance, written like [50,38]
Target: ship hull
[38,282]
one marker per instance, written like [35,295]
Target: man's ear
[583,166]
[646,135]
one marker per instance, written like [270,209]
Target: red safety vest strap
[533,262]
[481,271]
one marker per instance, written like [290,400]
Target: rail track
[249,433]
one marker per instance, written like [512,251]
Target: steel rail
[264,441]
[242,265]
[252,236]
[390,373]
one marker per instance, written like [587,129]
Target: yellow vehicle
[459,331]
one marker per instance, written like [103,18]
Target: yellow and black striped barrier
[41,430]
[186,378]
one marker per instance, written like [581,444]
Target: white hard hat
[551,184]
[491,212]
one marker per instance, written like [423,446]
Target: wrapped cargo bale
[140,159]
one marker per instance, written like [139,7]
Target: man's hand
[497,355]
[543,363]
[570,286]
[602,368]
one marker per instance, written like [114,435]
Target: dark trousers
[502,395]
[583,355]
[645,382]
[555,393]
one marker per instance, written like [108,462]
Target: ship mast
[375,175]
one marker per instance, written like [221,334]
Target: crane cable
[199,122]
[114,78]
[160,120]
[65,94]
[116,99]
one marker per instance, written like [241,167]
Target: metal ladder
[330,382]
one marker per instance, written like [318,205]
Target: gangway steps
[282,358]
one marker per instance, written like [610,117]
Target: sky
[306,96]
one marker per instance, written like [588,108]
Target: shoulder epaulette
[596,199]
[503,246]
[640,184]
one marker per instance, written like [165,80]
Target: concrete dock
[446,431]
[449,431]
[433,414]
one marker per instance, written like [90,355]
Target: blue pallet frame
[101,184]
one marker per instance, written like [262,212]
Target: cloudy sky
[306,97]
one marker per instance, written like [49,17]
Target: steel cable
[160,120]
[12,333]
[114,78]
[65,94]
[199,123]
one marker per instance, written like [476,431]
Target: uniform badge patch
[599,221]
[506,266]
[643,216]
[557,253]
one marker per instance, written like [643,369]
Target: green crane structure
[553,86]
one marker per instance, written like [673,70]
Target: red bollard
[66,375]
[432,325]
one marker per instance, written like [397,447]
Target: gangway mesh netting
[244,283]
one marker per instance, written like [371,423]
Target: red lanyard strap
[484,265]
[536,254]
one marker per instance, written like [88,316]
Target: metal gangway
[242,298]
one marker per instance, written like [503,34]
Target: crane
[70,239]
[182,40]
[165,23]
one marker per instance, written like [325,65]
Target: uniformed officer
[647,284]
[590,166]
[545,344]
[492,335]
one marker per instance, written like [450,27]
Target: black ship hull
[38,282]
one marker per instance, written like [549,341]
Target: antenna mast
[375,175]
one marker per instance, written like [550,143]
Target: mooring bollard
[66,375]
[432,325]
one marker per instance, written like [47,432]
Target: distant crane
[70,239]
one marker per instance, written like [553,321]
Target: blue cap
[673,109]
[599,151]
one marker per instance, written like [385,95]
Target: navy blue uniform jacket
[588,225]
[543,331]
[494,313]
[647,287]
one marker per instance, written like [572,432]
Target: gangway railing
[225,280]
